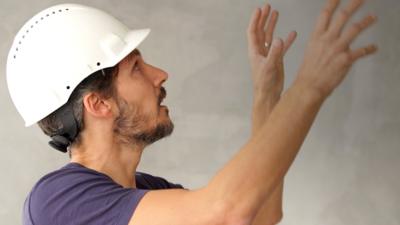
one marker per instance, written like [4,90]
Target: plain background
[347,171]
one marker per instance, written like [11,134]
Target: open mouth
[163,94]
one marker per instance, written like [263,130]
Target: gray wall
[347,170]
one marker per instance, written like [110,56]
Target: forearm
[271,209]
[254,172]
[263,104]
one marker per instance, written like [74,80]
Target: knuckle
[344,13]
[365,51]
[332,53]
[339,46]
[325,38]
[367,21]
[344,59]
[250,31]
[326,12]
[357,27]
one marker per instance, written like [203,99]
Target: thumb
[276,52]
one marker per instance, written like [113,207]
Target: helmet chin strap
[66,135]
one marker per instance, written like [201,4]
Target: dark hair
[101,82]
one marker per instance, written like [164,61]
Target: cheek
[143,97]
[139,92]
[147,105]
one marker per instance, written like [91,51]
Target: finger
[264,15]
[363,52]
[289,41]
[343,16]
[275,53]
[252,32]
[326,15]
[269,33]
[352,32]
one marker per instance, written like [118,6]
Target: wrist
[262,107]
[263,104]
[270,97]
[308,92]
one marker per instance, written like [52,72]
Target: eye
[136,66]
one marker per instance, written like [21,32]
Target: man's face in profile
[141,119]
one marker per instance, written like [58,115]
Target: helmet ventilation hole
[98,63]
[37,22]
[68,87]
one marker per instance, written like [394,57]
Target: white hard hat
[57,49]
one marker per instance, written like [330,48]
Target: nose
[159,76]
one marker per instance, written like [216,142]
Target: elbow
[277,218]
[271,218]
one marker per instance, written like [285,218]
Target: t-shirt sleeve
[82,198]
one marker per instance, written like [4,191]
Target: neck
[117,161]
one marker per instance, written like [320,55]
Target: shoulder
[85,195]
[72,180]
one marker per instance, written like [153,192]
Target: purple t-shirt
[77,195]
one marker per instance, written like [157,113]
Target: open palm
[266,57]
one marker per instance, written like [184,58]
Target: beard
[132,127]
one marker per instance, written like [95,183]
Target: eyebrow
[134,53]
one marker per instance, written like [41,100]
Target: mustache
[163,94]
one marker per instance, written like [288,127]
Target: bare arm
[271,211]
[236,193]
[261,164]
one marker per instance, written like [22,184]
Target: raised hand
[266,58]
[266,61]
[328,56]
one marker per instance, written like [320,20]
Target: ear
[97,106]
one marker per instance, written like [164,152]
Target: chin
[166,123]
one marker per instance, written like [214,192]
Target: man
[115,111]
